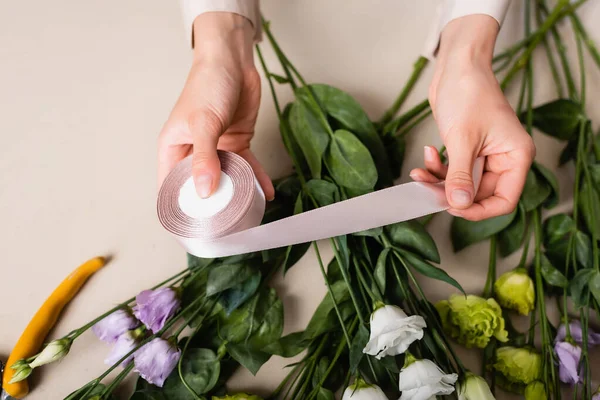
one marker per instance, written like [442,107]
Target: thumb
[206,128]
[460,190]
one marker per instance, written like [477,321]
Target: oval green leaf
[349,162]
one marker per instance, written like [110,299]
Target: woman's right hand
[218,106]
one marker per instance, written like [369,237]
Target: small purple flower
[114,325]
[568,358]
[155,307]
[156,360]
[597,395]
[576,333]
[124,344]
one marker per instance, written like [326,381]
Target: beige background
[84,90]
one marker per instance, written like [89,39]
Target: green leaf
[325,193]
[547,175]
[511,238]
[349,162]
[325,319]
[381,269]
[589,201]
[356,349]
[535,192]
[373,232]
[559,118]
[250,358]
[200,369]
[279,78]
[465,233]
[551,275]
[350,115]
[583,249]
[194,262]
[234,297]
[413,236]
[294,254]
[148,394]
[291,144]
[431,271]
[594,285]
[325,394]
[289,345]
[310,134]
[579,287]
[569,152]
[333,271]
[97,390]
[223,277]
[556,227]
[595,174]
[396,148]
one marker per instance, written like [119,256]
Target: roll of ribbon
[228,222]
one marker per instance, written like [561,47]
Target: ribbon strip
[228,223]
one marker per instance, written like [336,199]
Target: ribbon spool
[228,222]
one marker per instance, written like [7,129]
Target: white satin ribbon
[228,223]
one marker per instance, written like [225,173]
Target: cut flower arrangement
[375,335]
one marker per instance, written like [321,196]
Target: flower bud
[54,351]
[474,388]
[518,365]
[21,373]
[472,320]
[515,291]
[535,391]
[361,390]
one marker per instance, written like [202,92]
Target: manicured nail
[203,185]
[429,154]
[461,197]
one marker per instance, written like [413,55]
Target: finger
[489,180]
[459,180]
[206,128]
[422,175]
[263,179]
[434,164]
[169,153]
[504,200]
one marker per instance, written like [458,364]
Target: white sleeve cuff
[246,8]
[452,9]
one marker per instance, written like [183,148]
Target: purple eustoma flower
[155,307]
[576,333]
[156,360]
[569,356]
[124,344]
[114,325]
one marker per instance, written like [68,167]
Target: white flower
[54,351]
[392,331]
[360,390]
[474,388]
[423,380]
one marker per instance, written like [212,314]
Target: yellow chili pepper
[44,319]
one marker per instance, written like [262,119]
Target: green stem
[418,68]
[282,59]
[581,31]
[399,122]
[491,275]
[412,126]
[270,80]
[549,56]
[119,378]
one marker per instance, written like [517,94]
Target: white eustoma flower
[392,331]
[360,390]
[423,380]
[474,388]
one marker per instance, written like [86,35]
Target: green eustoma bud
[21,373]
[518,365]
[515,291]
[535,391]
[54,351]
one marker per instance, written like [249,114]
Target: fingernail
[203,185]
[461,197]
[413,175]
[429,156]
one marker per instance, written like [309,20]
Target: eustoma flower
[155,307]
[535,391]
[423,380]
[114,325]
[576,333]
[518,365]
[474,388]
[156,360]
[361,390]
[515,291]
[472,320]
[569,356]
[124,344]
[392,331]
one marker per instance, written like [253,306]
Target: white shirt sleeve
[449,10]
[246,8]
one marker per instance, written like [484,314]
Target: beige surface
[84,89]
